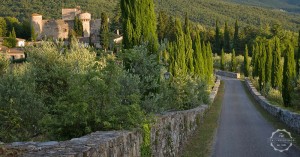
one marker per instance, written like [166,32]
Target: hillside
[203,11]
[287,5]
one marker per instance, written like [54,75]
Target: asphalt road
[243,132]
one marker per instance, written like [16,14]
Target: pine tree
[217,39]
[262,67]
[298,56]
[226,38]
[104,31]
[188,45]
[269,60]
[236,37]
[289,74]
[246,62]
[233,62]
[276,66]
[198,57]
[222,60]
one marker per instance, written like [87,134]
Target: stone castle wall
[169,134]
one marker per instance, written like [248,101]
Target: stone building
[59,29]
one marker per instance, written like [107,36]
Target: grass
[270,118]
[201,143]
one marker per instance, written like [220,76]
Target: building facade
[59,29]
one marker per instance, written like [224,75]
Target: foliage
[226,38]
[146,145]
[276,77]
[233,62]
[298,57]
[2,27]
[217,46]
[139,24]
[269,60]
[236,36]
[104,31]
[222,60]
[296,96]
[11,41]
[289,74]
[78,27]
[246,63]
[4,64]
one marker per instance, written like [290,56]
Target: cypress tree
[222,64]
[226,38]
[246,62]
[257,52]
[217,39]
[210,65]
[198,57]
[104,31]
[205,59]
[162,25]
[179,49]
[233,62]
[13,33]
[289,74]
[188,46]
[236,36]
[298,56]
[276,77]
[262,67]
[139,24]
[3,26]
[269,63]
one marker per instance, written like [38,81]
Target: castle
[59,29]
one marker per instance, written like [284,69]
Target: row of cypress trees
[268,65]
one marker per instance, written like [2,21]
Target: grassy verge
[201,143]
[270,118]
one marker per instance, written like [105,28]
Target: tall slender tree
[198,57]
[210,63]
[222,64]
[298,56]
[188,45]
[236,36]
[262,66]
[217,38]
[3,26]
[289,74]
[233,61]
[139,24]
[276,78]
[162,25]
[269,60]
[226,38]
[104,31]
[246,62]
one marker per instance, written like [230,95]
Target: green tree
[246,63]
[222,60]
[33,34]
[188,45]
[298,56]
[78,27]
[233,62]
[104,31]
[139,24]
[198,57]
[256,54]
[236,36]
[11,41]
[262,67]
[2,27]
[162,25]
[209,66]
[269,60]
[217,44]
[180,49]
[289,74]
[226,38]
[276,66]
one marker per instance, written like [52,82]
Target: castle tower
[85,18]
[37,23]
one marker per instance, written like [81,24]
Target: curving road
[243,132]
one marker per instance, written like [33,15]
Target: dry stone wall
[228,74]
[168,135]
[291,119]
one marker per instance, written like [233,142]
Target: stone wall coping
[291,119]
